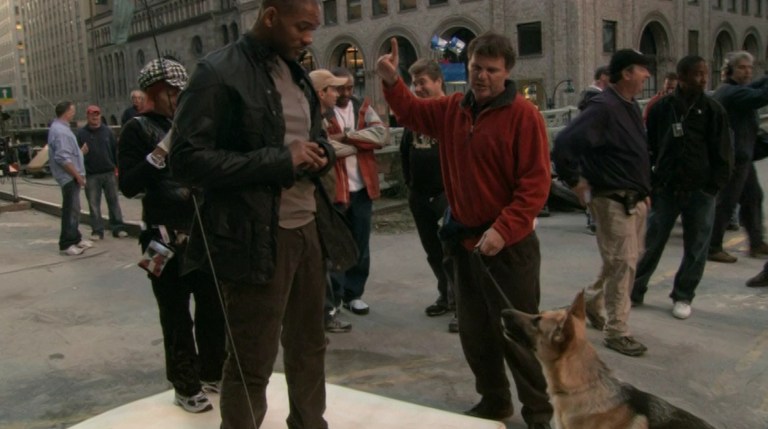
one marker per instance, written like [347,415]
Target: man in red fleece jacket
[495,165]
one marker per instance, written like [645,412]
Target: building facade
[70,53]
[57,57]
[13,70]
[185,30]
[556,40]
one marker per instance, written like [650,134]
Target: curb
[132,228]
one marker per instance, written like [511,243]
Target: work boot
[625,345]
[759,251]
[721,256]
[492,409]
[437,309]
[760,280]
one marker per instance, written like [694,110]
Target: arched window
[723,45]
[224,35]
[197,46]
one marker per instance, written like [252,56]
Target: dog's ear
[576,312]
[578,307]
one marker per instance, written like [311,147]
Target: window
[609,36]
[354,10]
[759,8]
[693,42]
[407,4]
[435,2]
[380,7]
[731,5]
[529,38]
[197,46]
[329,12]
[745,6]
[717,4]
[224,35]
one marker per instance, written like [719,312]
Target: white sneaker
[197,403]
[681,310]
[357,306]
[211,387]
[122,234]
[85,244]
[96,236]
[72,250]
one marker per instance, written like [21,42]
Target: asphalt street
[80,335]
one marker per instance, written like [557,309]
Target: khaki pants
[621,241]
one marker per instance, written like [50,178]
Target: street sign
[6,94]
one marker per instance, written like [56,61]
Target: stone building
[558,40]
[56,55]
[13,71]
[185,30]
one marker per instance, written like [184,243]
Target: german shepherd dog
[583,392]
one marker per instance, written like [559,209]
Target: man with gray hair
[741,98]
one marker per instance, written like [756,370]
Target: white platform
[370,412]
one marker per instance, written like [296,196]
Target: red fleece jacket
[495,168]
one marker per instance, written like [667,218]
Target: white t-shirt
[346,118]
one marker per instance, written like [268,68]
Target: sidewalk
[45,195]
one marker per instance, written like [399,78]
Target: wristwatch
[157,161]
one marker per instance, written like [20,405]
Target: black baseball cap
[624,58]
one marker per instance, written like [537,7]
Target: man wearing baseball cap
[326,84]
[99,148]
[603,156]
[193,360]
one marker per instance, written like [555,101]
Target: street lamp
[568,89]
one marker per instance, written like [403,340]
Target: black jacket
[229,140]
[702,157]
[164,201]
[741,102]
[102,149]
[607,145]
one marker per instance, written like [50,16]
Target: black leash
[487,270]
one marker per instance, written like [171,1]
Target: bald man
[248,133]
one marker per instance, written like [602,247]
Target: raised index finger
[393,44]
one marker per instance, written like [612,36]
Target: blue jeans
[350,284]
[697,210]
[95,184]
[70,215]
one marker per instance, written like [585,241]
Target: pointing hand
[387,64]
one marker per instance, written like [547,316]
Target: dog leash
[488,272]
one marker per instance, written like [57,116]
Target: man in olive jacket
[248,132]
